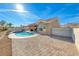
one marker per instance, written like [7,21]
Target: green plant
[9,24]
[2,22]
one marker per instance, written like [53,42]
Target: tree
[10,24]
[2,22]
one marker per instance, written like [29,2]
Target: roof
[52,19]
[72,25]
[49,20]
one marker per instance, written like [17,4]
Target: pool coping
[13,36]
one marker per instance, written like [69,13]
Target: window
[41,27]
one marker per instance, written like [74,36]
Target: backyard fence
[66,32]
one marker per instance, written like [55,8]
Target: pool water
[22,34]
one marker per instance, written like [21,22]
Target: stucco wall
[48,26]
[67,32]
[76,38]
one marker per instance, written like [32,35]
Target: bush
[4,29]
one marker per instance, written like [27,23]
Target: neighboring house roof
[31,26]
[72,25]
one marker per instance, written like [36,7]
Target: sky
[28,13]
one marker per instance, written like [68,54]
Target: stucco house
[45,27]
[52,27]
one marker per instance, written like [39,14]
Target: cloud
[25,13]
[11,10]
[20,11]
[30,17]
[26,16]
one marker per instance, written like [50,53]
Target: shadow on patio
[68,39]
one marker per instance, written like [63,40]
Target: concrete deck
[38,46]
[5,46]
[44,46]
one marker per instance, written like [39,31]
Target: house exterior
[31,27]
[45,27]
[52,27]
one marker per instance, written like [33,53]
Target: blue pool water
[22,34]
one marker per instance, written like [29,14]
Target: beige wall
[76,38]
[48,26]
[66,32]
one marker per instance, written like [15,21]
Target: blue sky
[28,13]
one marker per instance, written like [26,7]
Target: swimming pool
[23,34]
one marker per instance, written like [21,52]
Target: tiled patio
[38,46]
[44,46]
[5,47]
